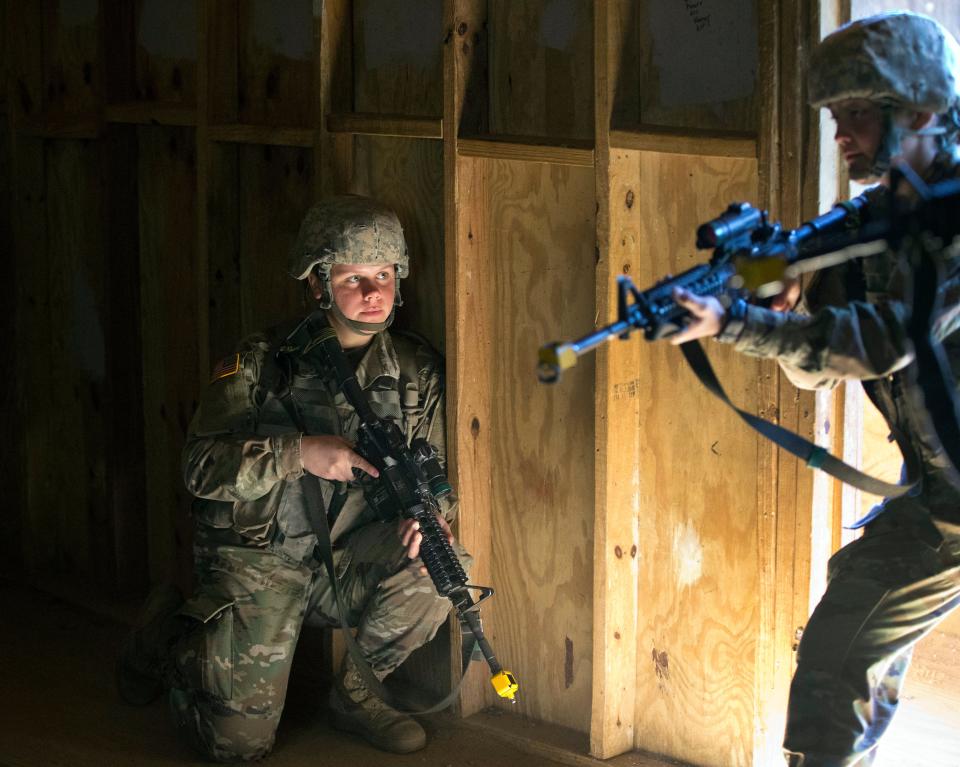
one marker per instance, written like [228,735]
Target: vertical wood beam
[333,93]
[468,343]
[24,40]
[206,19]
[789,160]
[617,480]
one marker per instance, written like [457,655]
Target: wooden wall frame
[507,204]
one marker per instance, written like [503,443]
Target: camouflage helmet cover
[349,229]
[904,59]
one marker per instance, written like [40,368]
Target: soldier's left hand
[706,316]
[411,537]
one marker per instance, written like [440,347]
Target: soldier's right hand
[787,298]
[331,457]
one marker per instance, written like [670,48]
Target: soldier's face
[364,292]
[859,133]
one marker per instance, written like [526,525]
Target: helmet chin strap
[363,328]
[888,149]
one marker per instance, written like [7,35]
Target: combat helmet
[898,60]
[349,229]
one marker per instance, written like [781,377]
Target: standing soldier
[890,82]
[270,417]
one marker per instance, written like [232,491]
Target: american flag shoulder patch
[228,366]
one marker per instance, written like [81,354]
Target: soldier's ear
[316,286]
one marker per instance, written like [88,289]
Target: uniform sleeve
[859,341]
[224,459]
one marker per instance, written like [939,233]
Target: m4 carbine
[410,485]
[750,255]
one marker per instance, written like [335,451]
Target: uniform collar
[379,361]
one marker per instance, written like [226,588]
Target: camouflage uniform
[258,573]
[890,587]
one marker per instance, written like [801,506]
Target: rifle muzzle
[553,360]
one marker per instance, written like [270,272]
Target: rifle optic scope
[739,218]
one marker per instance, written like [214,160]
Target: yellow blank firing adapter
[555,358]
[505,684]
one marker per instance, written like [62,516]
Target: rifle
[750,255]
[410,485]
[753,256]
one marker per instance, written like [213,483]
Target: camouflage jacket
[242,455]
[850,325]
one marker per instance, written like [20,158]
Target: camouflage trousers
[229,667]
[886,590]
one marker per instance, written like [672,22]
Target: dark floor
[58,707]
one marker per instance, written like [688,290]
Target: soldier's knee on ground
[221,732]
[223,701]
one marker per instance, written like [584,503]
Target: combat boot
[138,670]
[354,708]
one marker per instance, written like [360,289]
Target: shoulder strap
[815,456]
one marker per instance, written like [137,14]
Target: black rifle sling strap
[274,376]
[815,456]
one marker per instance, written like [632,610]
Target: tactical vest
[321,408]
[898,396]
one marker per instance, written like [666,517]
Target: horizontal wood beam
[386,125]
[150,113]
[66,126]
[262,134]
[528,149]
[704,143]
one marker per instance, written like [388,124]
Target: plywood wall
[541,230]
[645,548]
[699,617]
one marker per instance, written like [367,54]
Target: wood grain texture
[682,82]
[78,411]
[469,396]
[467,345]
[36,390]
[386,125]
[714,143]
[541,244]
[275,64]
[541,68]
[698,622]
[72,80]
[528,149]
[123,387]
[407,175]
[397,57]
[276,186]
[223,254]
[12,469]
[166,51]
[617,441]
[168,302]
[150,113]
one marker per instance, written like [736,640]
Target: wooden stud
[528,149]
[714,143]
[616,543]
[262,134]
[386,125]
[145,113]
[468,348]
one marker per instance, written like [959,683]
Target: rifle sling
[815,456]
[317,517]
